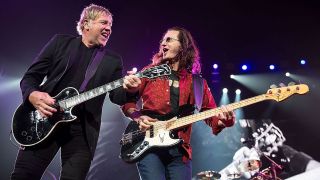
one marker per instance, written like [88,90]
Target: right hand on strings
[42,101]
[145,122]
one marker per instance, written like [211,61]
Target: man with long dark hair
[163,96]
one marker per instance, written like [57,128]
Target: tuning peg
[273,86]
[282,85]
[291,83]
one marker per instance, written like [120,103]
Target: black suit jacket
[54,60]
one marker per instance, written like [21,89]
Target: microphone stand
[274,166]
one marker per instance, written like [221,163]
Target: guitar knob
[146,143]
[24,133]
[39,134]
[141,146]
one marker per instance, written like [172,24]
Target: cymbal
[208,175]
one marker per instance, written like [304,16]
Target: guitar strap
[92,67]
[197,82]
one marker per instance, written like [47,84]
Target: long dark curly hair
[189,57]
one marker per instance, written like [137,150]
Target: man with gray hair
[83,63]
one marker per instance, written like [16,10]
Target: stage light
[8,84]
[271,67]
[225,90]
[244,67]
[215,66]
[232,76]
[239,112]
[224,97]
[287,74]
[134,70]
[302,62]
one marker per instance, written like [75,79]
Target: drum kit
[247,163]
[234,170]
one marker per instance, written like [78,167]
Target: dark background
[227,32]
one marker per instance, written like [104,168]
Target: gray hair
[90,12]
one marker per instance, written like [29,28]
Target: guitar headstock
[279,94]
[156,71]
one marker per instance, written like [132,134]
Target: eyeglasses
[168,39]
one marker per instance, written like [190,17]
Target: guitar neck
[177,123]
[85,96]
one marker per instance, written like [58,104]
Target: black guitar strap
[197,81]
[93,66]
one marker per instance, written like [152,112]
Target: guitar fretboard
[177,123]
[152,72]
[75,100]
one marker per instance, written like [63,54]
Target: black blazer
[52,63]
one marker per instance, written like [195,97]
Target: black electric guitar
[135,143]
[30,128]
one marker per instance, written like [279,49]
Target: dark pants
[75,155]
[165,164]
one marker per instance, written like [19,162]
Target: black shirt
[74,76]
[76,73]
[174,92]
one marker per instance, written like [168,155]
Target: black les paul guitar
[30,128]
[136,143]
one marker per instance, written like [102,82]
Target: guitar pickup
[126,139]
[151,132]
